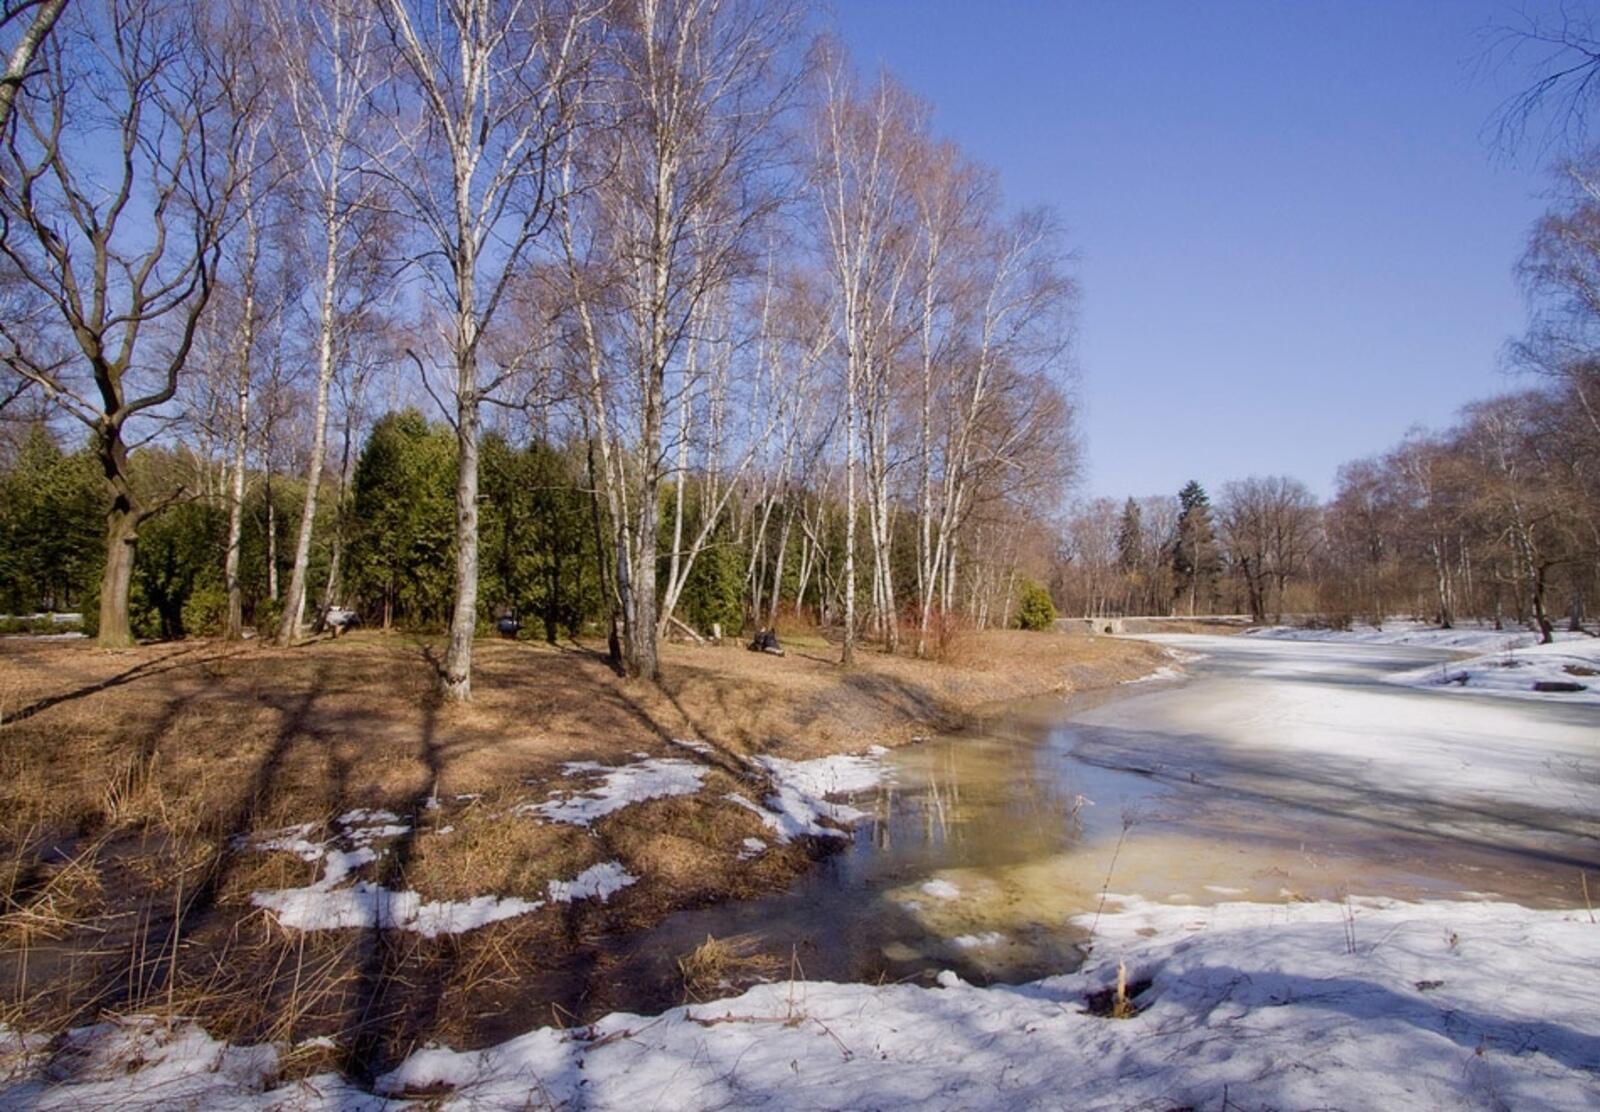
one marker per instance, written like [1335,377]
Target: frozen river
[1273,771]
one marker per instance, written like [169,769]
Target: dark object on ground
[766,642]
[1557,685]
[339,619]
[508,626]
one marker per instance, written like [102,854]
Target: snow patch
[753,847]
[1515,672]
[618,786]
[331,904]
[597,882]
[979,941]
[798,803]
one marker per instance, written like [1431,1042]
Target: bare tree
[124,250]
[333,74]
[492,82]
[1269,527]
[1561,51]
[862,186]
[683,155]
[33,21]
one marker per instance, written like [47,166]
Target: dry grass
[128,779]
[720,965]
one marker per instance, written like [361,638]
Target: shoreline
[205,767]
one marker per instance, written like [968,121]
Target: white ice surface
[1313,722]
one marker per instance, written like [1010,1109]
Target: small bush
[206,610]
[1034,609]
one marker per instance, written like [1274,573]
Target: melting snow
[1513,672]
[753,847]
[618,787]
[330,904]
[597,882]
[798,802]
[1470,636]
[979,941]
[1368,1004]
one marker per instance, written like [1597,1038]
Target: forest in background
[680,318]
[664,318]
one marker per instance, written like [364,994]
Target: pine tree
[1195,559]
[403,519]
[1130,537]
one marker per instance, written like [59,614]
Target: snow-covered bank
[1357,1004]
[1481,638]
[1519,673]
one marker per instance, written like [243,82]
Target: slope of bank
[228,830]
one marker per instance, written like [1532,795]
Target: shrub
[1034,609]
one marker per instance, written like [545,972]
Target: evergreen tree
[177,574]
[1195,558]
[51,523]
[537,538]
[402,520]
[1035,610]
[1130,537]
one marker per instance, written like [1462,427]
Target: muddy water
[985,846]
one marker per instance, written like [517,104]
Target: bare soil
[129,782]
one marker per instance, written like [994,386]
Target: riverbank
[1356,1004]
[305,845]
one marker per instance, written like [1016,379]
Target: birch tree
[862,189]
[31,21]
[685,166]
[492,83]
[333,75]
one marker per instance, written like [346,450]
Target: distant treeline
[1495,519]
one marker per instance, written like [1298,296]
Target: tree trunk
[456,682]
[22,54]
[848,656]
[272,541]
[613,640]
[122,536]
[294,607]
[1546,627]
[643,659]
[233,629]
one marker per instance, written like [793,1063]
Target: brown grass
[131,782]
[721,965]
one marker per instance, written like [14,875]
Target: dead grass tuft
[720,965]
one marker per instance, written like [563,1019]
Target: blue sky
[1293,236]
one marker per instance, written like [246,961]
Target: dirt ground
[132,783]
